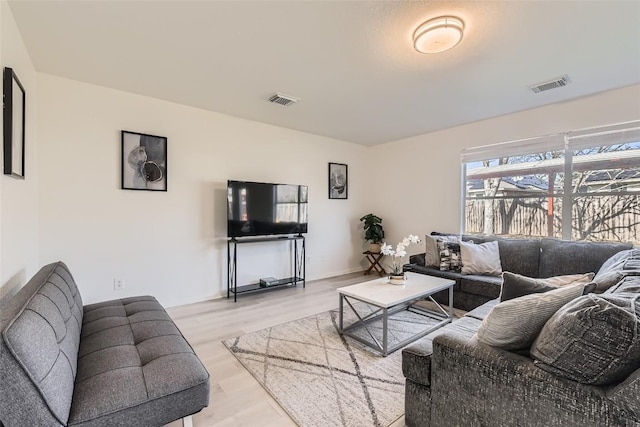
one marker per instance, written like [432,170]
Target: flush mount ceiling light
[438,34]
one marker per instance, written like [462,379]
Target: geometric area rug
[321,378]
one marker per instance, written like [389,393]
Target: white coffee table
[390,299]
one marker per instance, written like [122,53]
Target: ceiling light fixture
[438,34]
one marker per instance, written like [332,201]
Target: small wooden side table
[374,261]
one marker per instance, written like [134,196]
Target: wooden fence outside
[531,220]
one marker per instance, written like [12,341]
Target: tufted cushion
[131,353]
[44,336]
[595,339]
[115,363]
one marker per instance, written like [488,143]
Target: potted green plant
[373,231]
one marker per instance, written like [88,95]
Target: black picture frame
[143,162]
[338,181]
[14,124]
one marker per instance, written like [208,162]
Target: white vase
[397,279]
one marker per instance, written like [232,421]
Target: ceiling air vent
[282,99]
[551,84]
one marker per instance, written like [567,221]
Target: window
[580,185]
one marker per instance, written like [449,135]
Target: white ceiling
[351,63]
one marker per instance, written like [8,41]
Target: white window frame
[567,142]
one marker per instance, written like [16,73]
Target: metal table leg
[385,327]
[451,302]
[341,310]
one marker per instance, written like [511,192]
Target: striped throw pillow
[515,324]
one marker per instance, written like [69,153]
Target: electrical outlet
[118,284]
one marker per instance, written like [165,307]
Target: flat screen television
[263,209]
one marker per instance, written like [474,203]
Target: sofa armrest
[627,394]
[503,388]
[416,362]
[418,259]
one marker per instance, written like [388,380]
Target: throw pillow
[607,280]
[616,268]
[614,261]
[592,340]
[432,253]
[449,256]
[515,324]
[516,285]
[626,284]
[480,259]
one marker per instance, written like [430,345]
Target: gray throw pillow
[632,266]
[629,284]
[615,268]
[607,280]
[617,260]
[480,259]
[516,285]
[592,340]
[515,324]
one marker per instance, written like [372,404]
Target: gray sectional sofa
[115,363]
[453,379]
[528,257]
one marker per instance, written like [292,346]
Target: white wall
[422,186]
[173,245]
[19,198]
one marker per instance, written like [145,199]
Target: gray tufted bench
[115,363]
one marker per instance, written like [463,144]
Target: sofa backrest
[40,339]
[548,257]
[559,257]
[520,256]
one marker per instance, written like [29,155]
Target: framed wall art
[14,124]
[144,162]
[338,181]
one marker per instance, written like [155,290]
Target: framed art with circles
[144,162]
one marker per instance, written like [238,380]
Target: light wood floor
[237,399]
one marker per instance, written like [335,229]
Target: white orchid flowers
[399,253]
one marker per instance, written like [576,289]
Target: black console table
[299,265]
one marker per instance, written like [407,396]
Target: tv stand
[299,265]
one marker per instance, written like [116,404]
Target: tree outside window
[527,195]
